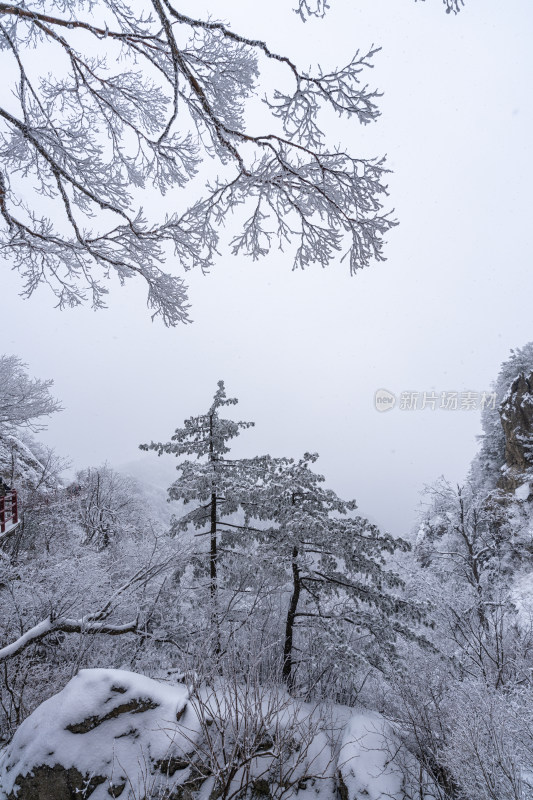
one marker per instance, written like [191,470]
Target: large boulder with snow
[111,734]
[108,733]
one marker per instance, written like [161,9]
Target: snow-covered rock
[111,733]
[524,491]
[108,733]
[516,413]
[373,764]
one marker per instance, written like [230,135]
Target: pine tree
[213,482]
[324,568]
[334,563]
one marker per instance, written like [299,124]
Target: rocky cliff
[516,414]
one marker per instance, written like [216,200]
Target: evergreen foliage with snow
[278,536]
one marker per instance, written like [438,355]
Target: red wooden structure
[9,516]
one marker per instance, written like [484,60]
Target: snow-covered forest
[312,652]
[245,629]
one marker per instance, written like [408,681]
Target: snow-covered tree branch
[63,625]
[93,623]
[318,8]
[81,146]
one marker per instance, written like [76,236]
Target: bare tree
[109,504]
[80,144]
[92,623]
[469,545]
[23,400]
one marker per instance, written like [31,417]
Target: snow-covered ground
[120,733]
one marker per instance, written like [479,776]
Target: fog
[305,352]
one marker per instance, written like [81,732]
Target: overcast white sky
[305,352]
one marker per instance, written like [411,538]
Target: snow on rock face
[373,765]
[111,733]
[516,412]
[523,492]
[108,733]
[20,466]
[363,760]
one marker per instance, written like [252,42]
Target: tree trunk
[213,551]
[288,675]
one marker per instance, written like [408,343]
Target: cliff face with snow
[516,413]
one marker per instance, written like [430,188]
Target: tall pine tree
[212,482]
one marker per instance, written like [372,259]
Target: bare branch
[91,140]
